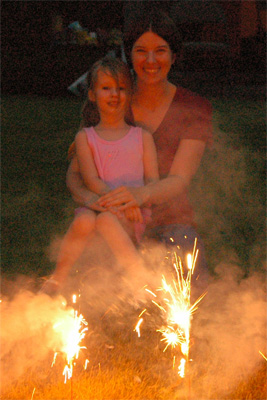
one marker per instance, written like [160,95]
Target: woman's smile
[113,103]
[152,70]
[152,57]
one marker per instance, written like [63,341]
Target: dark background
[31,63]
[37,129]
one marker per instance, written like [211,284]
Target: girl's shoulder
[135,130]
[86,131]
[80,135]
[139,131]
[85,134]
[142,133]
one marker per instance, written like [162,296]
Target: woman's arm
[184,167]
[87,165]
[151,172]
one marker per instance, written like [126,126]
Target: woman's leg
[74,243]
[121,244]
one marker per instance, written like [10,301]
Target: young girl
[109,154]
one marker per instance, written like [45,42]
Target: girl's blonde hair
[118,70]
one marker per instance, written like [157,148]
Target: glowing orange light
[177,308]
[71,329]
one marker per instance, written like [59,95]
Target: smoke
[229,327]
[228,196]
[27,335]
[229,330]
[102,280]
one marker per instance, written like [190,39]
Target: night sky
[29,61]
[27,39]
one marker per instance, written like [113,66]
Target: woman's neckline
[149,95]
[172,96]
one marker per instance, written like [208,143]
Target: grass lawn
[228,194]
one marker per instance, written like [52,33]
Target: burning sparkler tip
[177,308]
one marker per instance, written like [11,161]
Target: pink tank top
[118,162]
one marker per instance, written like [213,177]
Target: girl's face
[111,97]
[152,58]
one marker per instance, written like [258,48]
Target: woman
[181,124]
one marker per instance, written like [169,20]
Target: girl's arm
[84,197]
[151,172]
[87,165]
[77,188]
[184,167]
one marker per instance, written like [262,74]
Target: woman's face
[152,58]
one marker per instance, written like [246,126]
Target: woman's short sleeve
[197,126]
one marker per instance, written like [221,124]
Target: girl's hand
[122,197]
[92,203]
[134,214]
[114,210]
[95,207]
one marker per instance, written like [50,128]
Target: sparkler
[177,309]
[71,331]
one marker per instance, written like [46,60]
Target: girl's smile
[110,96]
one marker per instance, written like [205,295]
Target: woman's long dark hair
[156,21]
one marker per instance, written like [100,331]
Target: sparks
[71,331]
[181,368]
[86,363]
[140,315]
[149,291]
[176,306]
[33,393]
[67,372]
[54,359]
[265,358]
[137,327]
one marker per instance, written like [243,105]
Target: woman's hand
[93,205]
[123,197]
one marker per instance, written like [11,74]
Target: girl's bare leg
[74,243]
[121,245]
